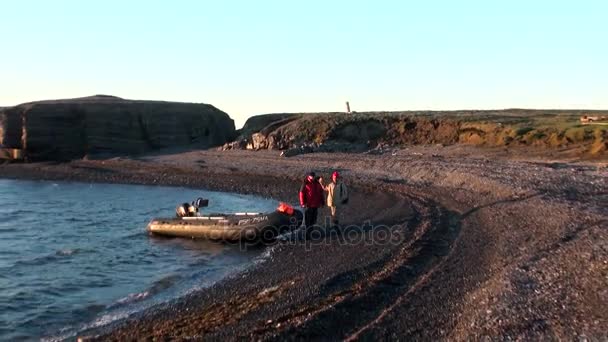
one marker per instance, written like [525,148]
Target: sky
[255,57]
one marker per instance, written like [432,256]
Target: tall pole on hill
[347,107]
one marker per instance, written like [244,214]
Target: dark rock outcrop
[265,123]
[68,129]
[239,144]
[256,133]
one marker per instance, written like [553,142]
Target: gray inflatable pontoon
[228,227]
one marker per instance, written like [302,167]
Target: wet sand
[461,244]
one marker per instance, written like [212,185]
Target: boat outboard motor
[200,202]
[191,209]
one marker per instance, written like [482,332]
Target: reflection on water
[76,255]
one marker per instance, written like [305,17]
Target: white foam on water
[67,251]
[133,297]
[107,319]
[267,254]
[97,323]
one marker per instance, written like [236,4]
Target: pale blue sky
[253,57]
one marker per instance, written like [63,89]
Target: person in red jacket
[311,199]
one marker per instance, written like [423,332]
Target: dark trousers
[310,217]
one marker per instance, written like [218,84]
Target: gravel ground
[484,244]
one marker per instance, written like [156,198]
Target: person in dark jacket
[311,199]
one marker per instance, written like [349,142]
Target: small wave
[49,258]
[37,261]
[57,338]
[21,212]
[21,298]
[89,311]
[51,292]
[157,287]
[133,236]
[164,283]
[99,222]
[202,274]
[133,297]
[201,262]
[267,254]
[77,219]
[71,332]
[8,252]
[67,252]
[12,216]
[107,319]
[10,307]
[94,308]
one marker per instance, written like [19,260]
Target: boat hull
[227,227]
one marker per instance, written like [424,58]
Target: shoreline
[487,247]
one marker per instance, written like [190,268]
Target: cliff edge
[101,124]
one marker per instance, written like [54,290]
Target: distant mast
[347,107]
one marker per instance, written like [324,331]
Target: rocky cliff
[327,132]
[68,129]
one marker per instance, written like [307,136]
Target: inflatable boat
[230,227]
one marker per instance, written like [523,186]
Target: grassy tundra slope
[553,129]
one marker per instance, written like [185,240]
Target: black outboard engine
[201,203]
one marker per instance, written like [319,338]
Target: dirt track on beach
[480,246]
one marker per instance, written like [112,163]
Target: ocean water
[77,255]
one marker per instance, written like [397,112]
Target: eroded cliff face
[339,132]
[68,129]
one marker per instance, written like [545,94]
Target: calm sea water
[76,255]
